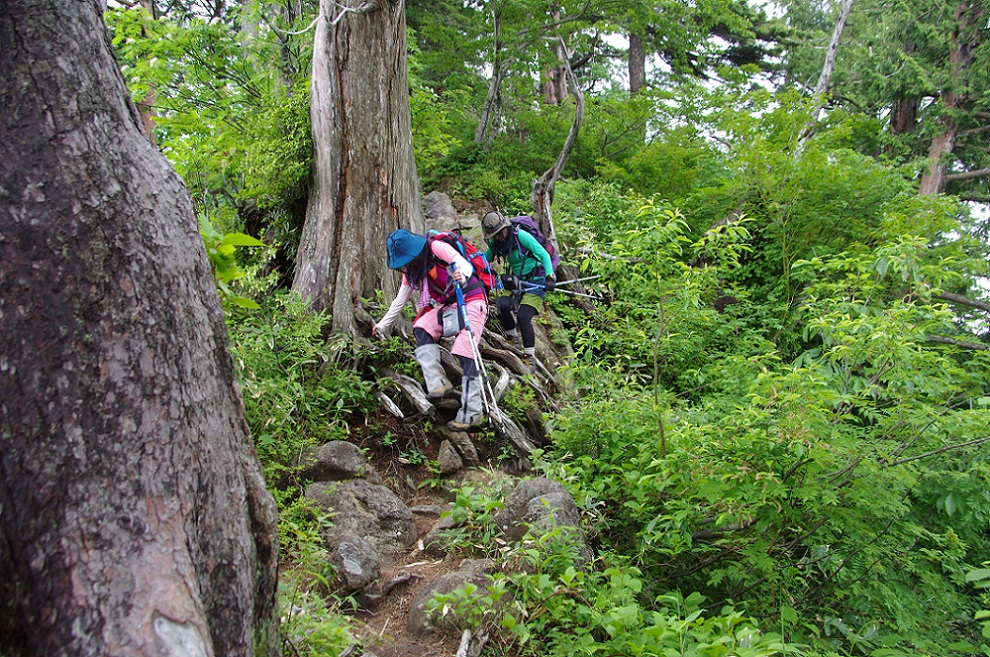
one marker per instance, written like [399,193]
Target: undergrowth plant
[843,491]
[298,390]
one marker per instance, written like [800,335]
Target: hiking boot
[437,384]
[529,359]
[471,416]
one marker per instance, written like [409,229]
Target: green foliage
[980,579]
[311,625]
[582,611]
[776,406]
[810,482]
[221,250]
[233,127]
[297,393]
[473,609]
[473,515]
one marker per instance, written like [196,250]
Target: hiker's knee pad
[505,316]
[469,366]
[422,337]
[526,314]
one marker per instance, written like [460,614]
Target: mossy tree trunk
[133,514]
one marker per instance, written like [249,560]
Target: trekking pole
[487,393]
[579,280]
[528,287]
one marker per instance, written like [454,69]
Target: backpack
[528,224]
[482,269]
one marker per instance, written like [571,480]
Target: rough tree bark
[133,515]
[954,98]
[365,182]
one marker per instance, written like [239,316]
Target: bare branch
[967,175]
[973,131]
[947,448]
[708,534]
[941,339]
[965,301]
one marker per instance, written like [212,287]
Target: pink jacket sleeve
[449,254]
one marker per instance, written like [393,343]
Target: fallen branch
[469,648]
[462,650]
[390,405]
[503,381]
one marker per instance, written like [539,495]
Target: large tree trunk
[133,514]
[365,182]
[954,98]
[904,116]
[636,63]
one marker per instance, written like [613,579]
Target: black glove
[511,282]
[550,283]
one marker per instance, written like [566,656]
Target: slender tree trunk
[491,110]
[147,105]
[825,78]
[904,112]
[365,182]
[637,63]
[964,35]
[543,188]
[133,515]
[555,77]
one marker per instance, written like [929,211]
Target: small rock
[448,458]
[337,460]
[356,562]
[372,512]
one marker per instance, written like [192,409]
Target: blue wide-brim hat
[403,247]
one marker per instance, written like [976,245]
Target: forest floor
[384,629]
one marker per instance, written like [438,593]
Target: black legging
[525,314]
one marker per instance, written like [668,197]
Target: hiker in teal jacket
[528,262]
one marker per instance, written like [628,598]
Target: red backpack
[482,269]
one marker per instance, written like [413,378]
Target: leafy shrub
[295,394]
